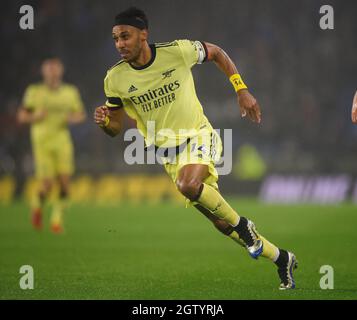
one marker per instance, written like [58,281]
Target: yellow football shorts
[53,160]
[205,148]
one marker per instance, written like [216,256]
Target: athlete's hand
[99,114]
[354,113]
[39,115]
[249,106]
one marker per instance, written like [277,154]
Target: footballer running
[154,83]
[49,107]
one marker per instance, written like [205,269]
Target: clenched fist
[100,114]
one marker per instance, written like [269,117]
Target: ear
[144,34]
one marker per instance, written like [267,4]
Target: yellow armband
[237,82]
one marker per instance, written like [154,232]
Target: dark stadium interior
[126,232]
[304,77]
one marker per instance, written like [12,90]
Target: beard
[134,54]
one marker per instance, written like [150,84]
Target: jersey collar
[153,56]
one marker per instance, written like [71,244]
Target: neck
[144,56]
[54,84]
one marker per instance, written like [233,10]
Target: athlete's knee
[46,187]
[64,182]
[190,188]
[63,193]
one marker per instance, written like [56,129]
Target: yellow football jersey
[58,104]
[160,95]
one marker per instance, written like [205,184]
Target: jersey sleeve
[193,52]
[29,98]
[77,104]
[113,101]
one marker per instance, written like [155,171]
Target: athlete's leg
[42,193]
[44,171]
[220,225]
[269,250]
[190,178]
[60,203]
[64,168]
[46,185]
[190,183]
[210,202]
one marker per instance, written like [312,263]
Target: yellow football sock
[270,251]
[235,237]
[56,217]
[212,200]
[37,200]
[57,213]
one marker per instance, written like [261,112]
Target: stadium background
[303,77]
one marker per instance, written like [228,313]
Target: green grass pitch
[165,251]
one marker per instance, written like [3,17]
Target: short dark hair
[51,58]
[133,13]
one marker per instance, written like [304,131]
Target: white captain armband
[202,51]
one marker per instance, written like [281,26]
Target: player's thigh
[64,160]
[193,172]
[199,158]
[64,182]
[44,164]
[206,172]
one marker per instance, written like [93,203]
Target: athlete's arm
[247,103]
[29,116]
[354,109]
[109,119]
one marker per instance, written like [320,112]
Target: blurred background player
[354,109]
[154,83]
[50,107]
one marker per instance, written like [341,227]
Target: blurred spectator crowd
[303,77]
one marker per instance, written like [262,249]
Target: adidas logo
[132,88]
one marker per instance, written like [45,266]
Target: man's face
[52,70]
[129,41]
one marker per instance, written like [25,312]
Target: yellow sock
[270,251]
[57,213]
[235,237]
[212,200]
[37,200]
[56,217]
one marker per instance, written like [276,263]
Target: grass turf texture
[168,252]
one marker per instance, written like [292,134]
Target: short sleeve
[113,99]
[77,104]
[193,52]
[29,99]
